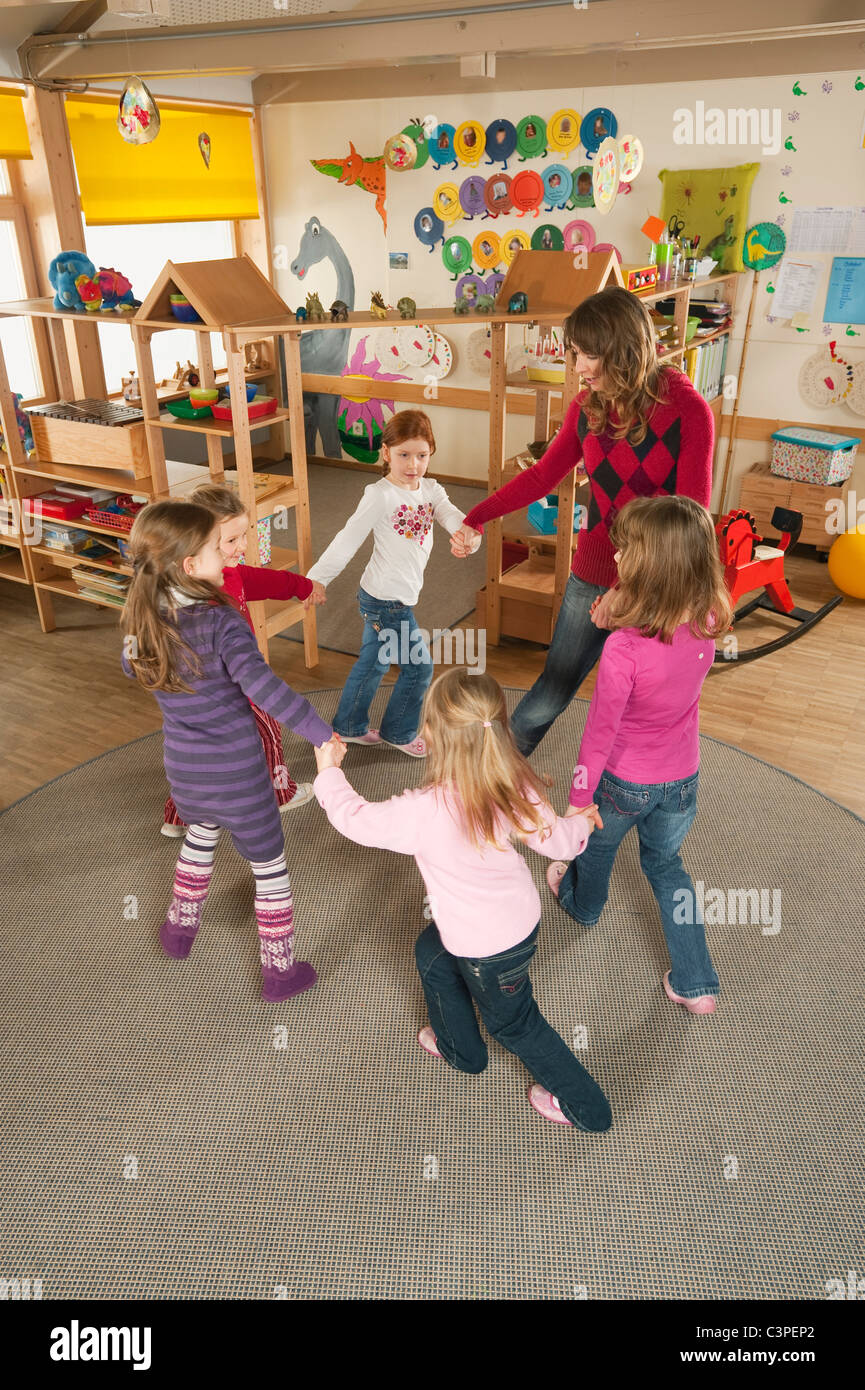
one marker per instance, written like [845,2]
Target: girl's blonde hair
[481,764]
[669,567]
[616,327]
[222,502]
[407,424]
[163,535]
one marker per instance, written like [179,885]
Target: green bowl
[185,410]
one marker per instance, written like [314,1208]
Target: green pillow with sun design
[713,204]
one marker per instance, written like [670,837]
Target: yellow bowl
[203,395]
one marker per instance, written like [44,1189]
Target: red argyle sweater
[674,457]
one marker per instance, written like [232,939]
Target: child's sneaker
[546,1105]
[427,1039]
[704,1004]
[555,874]
[303,794]
[371,736]
[174,832]
[415,749]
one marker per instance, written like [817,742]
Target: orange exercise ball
[847,562]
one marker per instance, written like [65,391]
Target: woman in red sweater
[638,429]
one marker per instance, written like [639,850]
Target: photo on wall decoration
[397,260]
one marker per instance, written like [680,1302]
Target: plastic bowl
[203,395]
[251,390]
[692,325]
[185,312]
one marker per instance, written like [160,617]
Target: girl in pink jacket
[480,793]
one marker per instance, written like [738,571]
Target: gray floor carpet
[337,1160]
[450,585]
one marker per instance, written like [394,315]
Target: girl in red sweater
[637,429]
[247,584]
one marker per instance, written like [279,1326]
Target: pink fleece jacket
[482,901]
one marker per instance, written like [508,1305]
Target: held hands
[591,813]
[330,754]
[318,595]
[602,610]
[465,542]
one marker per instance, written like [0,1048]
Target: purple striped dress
[214,758]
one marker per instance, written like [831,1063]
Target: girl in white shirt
[399,510]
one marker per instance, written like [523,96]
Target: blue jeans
[386,624]
[575,648]
[502,990]
[663,814]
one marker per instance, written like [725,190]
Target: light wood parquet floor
[64,698]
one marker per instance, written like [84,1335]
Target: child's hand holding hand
[330,754]
[465,542]
[601,611]
[318,595]
[591,813]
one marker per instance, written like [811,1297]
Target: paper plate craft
[400,152]
[441,146]
[598,125]
[579,233]
[470,142]
[415,132]
[385,346]
[471,196]
[479,351]
[497,194]
[204,147]
[548,238]
[446,202]
[494,283]
[457,255]
[605,175]
[563,131]
[581,192]
[764,246]
[501,141]
[630,157]
[416,343]
[558,183]
[470,287]
[138,117]
[825,379]
[531,138]
[513,241]
[442,360]
[608,246]
[527,191]
[429,227]
[487,250]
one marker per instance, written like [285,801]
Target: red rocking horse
[754,562]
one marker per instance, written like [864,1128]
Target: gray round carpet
[169,1135]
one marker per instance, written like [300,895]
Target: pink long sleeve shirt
[643,722]
[482,901]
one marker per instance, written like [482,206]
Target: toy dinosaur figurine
[485,304]
[407,307]
[368,173]
[377,306]
[314,309]
[462,305]
[91,295]
[339,311]
[718,245]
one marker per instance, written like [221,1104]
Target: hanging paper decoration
[579,233]
[501,141]
[826,379]
[527,191]
[581,194]
[472,199]
[630,157]
[494,283]
[446,202]
[470,142]
[416,343]
[479,351]
[497,195]
[531,138]
[441,146]
[608,246]
[137,114]
[369,174]
[415,132]
[204,147]
[385,345]
[470,287]
[429,227]
[558,183]
[486,250]
[442,360]
[764,245]
[400,152]
[457,255]
[548,238]
[605,175]
[513,241]
[856,400]
[563,131]
[598,125]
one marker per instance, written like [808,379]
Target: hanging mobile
[204,147]
[138,117]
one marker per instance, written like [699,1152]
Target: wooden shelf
[282,559]
[69,589]
[68,561]
[522,382]
[279,615]
[708,337]
[164,393]
[224,428]
[12,567]
[111,478]
[44,309]
[531,581]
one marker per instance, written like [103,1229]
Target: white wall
[827,169]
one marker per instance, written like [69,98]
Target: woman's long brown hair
[669,567]
[616,327]
[484,767]
[163,535]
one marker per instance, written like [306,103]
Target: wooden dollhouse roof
[222,292]
[555,280]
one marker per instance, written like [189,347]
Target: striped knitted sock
[282,976]
[191,882]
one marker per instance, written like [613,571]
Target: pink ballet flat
[546,1105]
[555,874]
[427,1039]
[371,736]
[415,749]
[704,1004]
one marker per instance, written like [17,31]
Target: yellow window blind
[167,180]
[14,142]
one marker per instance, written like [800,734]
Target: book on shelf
[705,365]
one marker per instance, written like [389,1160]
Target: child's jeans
[501,988]
[663,814]
[390,633]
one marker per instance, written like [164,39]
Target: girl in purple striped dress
[184,641]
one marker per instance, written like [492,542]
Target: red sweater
[249,583]
[675,457]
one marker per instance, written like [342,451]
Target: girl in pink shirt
[640,751]
[480,793]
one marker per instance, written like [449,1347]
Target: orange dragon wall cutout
[368,173]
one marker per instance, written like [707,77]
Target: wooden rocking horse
[754,562]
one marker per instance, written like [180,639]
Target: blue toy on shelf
[63,272]
[544,515]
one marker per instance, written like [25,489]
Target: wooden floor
[64,698]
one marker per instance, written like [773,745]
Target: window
[16,335]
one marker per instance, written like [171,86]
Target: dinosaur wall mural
[369,174]
[326,353]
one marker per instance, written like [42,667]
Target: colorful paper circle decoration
[138,117]
[764,246]
[486,250]
[531,138]
[385,343]
[429,227]
[501,140]
[441,146]
[598,125]
[563,131]
[608,246]
[527,191]
[479,353]
[416,343]
[856,400]
[400,152]
[457,255]
[442,359]
[605,175]
[494,283]
[548,238]
[581,193]
[446,202]
[470,142]
[415,132]
[826,379]
[472,199]
[497,194]
[513,241]
[630,157]
[579,233]
[470,287]
[558,183]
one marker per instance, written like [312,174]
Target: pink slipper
[427,1039]
[704,1004]
[415,749]
[546,1105]
[371,736]
[555,874]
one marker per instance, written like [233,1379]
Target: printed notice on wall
[834,231]
[845,302]
[796,288]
